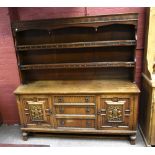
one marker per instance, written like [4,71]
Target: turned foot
[25,136]
[133,139]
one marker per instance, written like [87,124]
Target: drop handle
[88,124]
[87,109]
[87,99]
[60,99]
[61,109]
[62,122]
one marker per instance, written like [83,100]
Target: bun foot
[25,136]
[133,139]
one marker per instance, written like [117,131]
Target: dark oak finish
[78,75]
[103,41]
[92,21]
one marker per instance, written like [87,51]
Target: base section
[88,133]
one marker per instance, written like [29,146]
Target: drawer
[74,109]
[76,123]
[74,99]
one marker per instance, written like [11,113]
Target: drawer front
[74,99]
[76,123]
[115,112]
[36,110]
[74,109]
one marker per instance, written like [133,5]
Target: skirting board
[143,136]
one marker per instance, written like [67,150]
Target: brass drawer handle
[87,99]
[87,109]
[60,99]
[88,124]
[62,122]
[61,109]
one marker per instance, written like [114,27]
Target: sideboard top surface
[77,87]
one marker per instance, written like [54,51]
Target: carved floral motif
[115,113]
[36,111]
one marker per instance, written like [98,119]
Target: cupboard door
[115,112]
[37,111]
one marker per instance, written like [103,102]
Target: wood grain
[78,87]
[78,75]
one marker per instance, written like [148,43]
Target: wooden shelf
[91,21]
[77,45]
[78,65]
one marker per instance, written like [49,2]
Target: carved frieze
[85,21]
[76,45]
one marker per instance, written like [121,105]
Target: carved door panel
[37,111]
[115,112]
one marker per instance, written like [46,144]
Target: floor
[11,134]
